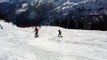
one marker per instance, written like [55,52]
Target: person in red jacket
[36,32]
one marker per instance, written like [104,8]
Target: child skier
[36,32]
[60,33]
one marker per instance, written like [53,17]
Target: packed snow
[20,44]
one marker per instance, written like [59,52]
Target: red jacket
[36,29]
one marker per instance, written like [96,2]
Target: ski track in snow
[20,44]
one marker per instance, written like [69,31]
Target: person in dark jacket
[36,32]
[59,33]
[1,27]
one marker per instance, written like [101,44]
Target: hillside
[81,14]
[19,44]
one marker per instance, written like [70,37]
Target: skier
[36,32]
[60,33]
[1,27]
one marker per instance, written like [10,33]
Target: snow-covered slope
[20,44]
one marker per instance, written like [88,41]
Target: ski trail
[20,44]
